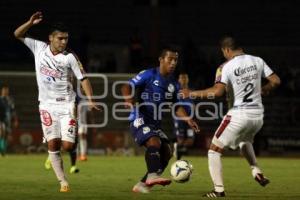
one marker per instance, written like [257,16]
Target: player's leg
[189,141]
[47,163]
[216,171]
[57,162]
[248,152]
[146,136]
[156,162]
[166,154]
[51,130]
[180,137]
[73,158]
[222,138]
[178,145]
[69,137]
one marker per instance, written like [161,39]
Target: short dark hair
[230,42]
[164,49]
[58,26]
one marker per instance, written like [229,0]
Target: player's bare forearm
[273,83]
[87,88]
[217,90]
[181,113]
[21,30]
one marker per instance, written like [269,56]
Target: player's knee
[68,146]
[54,144]
[153,142]
[243,144]
[216,148]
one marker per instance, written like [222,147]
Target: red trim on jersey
[46,117]
[223,125]
[72,122]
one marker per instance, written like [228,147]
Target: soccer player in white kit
[242,75]
[55,67]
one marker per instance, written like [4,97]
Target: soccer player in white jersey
[55,67]
[242,74]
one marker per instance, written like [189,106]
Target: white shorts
[238,125]
[58,121]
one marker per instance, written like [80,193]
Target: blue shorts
[183,130]
[145,131]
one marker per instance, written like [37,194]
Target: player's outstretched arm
[87,88]
[217,90]
[273,82]
[36,18]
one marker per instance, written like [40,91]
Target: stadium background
[118,38]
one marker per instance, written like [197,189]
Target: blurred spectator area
[103,33]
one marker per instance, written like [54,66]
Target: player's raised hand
[36,18]
[93,106]
[184,93]
[194,125]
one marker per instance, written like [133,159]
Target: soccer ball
[181,171]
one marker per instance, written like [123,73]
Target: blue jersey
[153,90]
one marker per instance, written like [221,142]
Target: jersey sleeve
[76,66]
[221,75]
[267,71]
[141,78]
[34,45]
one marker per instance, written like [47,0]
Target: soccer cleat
[141,187]
[47,164]
[263,181]
[74,170]
[157,180]
[64,188]
[83,158]
[214,194]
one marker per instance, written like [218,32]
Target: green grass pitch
[23,177]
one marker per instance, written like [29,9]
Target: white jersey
[54,72]
[243,75]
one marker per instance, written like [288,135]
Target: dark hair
[230,42]
[164,49]
[59,26]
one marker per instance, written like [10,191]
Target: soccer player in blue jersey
[185,135]
[157,87]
